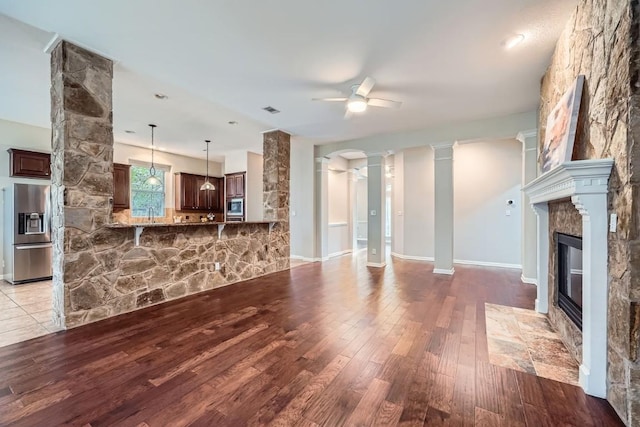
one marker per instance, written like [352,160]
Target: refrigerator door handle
[42,246]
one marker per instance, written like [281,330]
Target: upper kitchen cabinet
[29,164]
[189,197]
[121,186]
[235,185]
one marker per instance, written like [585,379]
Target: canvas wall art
[561,128]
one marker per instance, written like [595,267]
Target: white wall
[397,205]
[339,203]
[302,199]
[175,163]
[418,212]
[17,135]
[254,187]
[235,161]
[485,175]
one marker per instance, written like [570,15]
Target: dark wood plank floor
[322,344]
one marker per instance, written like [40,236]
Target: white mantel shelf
[570,179]
[586,183]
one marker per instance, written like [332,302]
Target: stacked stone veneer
[82,162]
[602,42]
[563,218]
[113,276]
[98,270]
[276,155]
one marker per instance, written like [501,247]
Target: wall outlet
[508,212]
[374,251]
[613,223]
[217,266]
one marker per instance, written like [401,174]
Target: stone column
[276,151]
[528,247]
[277,167]
[443,209]
[322,208]
[82,176]
[376,245]
[542,263]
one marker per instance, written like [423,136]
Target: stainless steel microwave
[235,207]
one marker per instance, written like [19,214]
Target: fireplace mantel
[571,179]
[586,183]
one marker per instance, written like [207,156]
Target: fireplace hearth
[569,276]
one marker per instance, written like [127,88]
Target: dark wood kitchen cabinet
[121,186]
[189,197]
[235,185]
[29,164]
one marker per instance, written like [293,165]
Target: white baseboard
[412,257]
[529,280]
[307,259]
[335,254]
[376,264]
[444,271]
[488,264]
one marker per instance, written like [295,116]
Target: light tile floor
[25,311]
[524,340]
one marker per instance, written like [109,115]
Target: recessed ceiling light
[129,131]
[160,96]
[513,41]
[232,122]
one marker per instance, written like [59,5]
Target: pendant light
[207,185]
[153,179]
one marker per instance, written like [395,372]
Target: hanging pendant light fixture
[207,185]
[153,179]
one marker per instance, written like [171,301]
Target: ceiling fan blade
[365,87]
[347,115]
[385,103]
[330,99]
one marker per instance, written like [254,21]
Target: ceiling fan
[358,101]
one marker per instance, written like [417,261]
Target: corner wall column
[376,245]
[443,208]
[542,263]
[322,208]
[528,246]
[593,370]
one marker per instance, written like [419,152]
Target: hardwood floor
[322,344]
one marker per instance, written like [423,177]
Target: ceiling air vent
[271,110]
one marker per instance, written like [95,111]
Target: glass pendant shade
[207,185]
[153,179]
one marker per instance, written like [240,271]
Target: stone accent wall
[171,262]
[563,218]
[82,162]
[601,41]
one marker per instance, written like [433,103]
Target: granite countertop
[186,224]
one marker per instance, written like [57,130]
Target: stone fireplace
[585,184]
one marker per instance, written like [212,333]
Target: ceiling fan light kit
[357,104]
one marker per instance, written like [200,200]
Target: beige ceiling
[225,60]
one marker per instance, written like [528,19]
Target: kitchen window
[147,199]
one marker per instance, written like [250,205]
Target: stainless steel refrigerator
[27,249]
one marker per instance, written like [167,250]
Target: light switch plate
[613,223]
[373,213]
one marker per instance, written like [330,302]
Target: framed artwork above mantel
[561,128]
